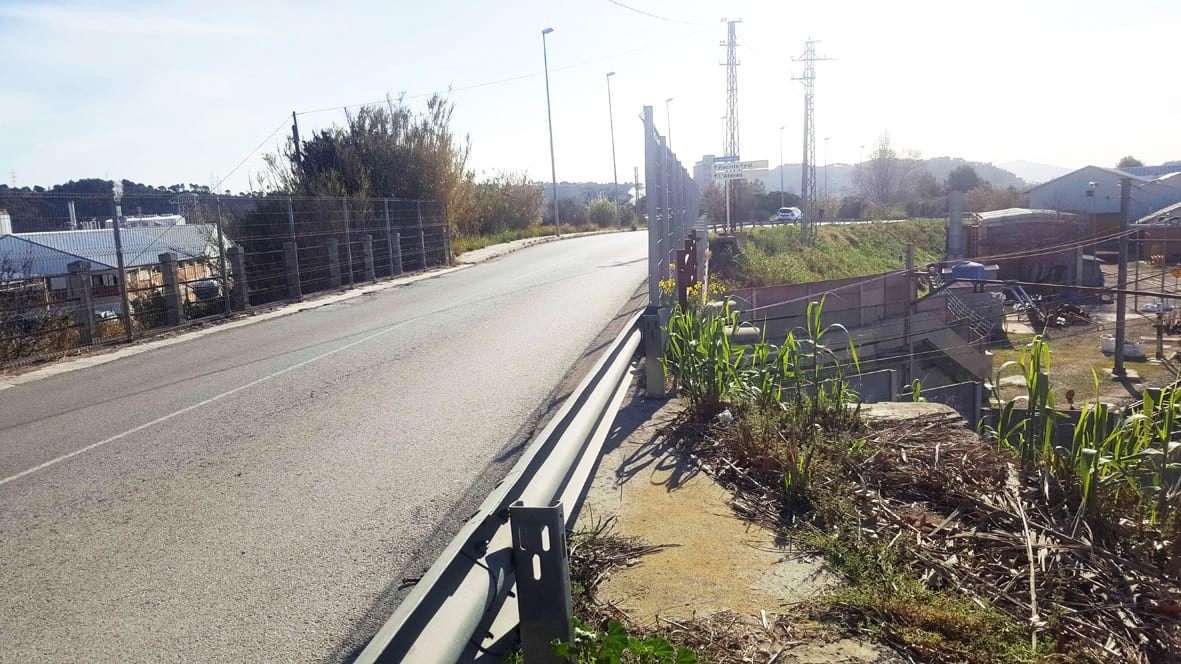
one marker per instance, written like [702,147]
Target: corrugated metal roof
[1152,171]
[1114,171]
[47,253]
[1017,213]
[1154,219]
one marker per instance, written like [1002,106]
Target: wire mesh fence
[79,270]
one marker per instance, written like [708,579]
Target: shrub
[601,212]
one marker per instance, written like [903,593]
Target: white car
[788,214]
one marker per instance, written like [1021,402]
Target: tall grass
[775,255]
[712,371]
[1129,458]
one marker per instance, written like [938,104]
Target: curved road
[257,494]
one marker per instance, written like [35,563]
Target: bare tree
[880,177]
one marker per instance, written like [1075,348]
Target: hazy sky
[166,92]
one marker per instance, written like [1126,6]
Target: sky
[168,92]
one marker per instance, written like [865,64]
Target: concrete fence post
[291,263]
[389,237]
[239,296]
[173,311]
[397,251]
[333,263]
[79,289]
[348,239]
[367,255]
[447,245]
[422,246]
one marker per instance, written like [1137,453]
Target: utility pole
[636,202]
[550,117]
[614,168]
[1121,313]
[117,204]
[781,200]
[808,178]
[911,296]
[731,64]
[1160,313]
[295,138]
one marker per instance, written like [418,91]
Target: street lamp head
[783,127]
[547,31]
[668,100]
[610,74]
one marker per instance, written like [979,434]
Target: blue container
[968,270]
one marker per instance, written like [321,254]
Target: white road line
[219,397]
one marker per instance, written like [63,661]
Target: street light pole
[781,201]
[614,169]
[1091,195]
[550,116]
[668,121]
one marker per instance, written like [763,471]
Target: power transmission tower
[808,178]
[731,44]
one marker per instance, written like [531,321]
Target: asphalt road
[255,495]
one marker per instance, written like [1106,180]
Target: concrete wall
[874,310]
[853,302]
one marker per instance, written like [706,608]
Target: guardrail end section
[543,580]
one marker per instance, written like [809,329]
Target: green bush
[601,212]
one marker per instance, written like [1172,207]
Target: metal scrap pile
[1044,315]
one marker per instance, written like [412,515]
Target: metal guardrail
[464,607]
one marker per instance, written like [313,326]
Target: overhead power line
[509,79]
[250,154]
[651,15]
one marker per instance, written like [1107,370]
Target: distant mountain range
[840,176]
[1019,174]
[1033,172]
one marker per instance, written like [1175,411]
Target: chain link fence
[79,270]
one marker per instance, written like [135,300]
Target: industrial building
[1094,191]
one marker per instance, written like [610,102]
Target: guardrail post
[291,262]
[173,314]
[79,290]
[397,249]
[367,253]
[543,580]
[333,263]
[238,296]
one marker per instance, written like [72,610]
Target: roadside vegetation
[391,150]
[775,255]
[1020,547]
